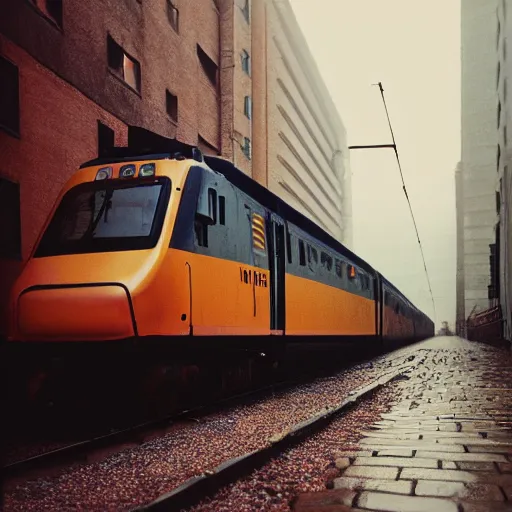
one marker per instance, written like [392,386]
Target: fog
[413,48]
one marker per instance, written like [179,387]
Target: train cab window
[302,253]
[103,217]
[326,261]
[289,246]
[339,268]
[222,210]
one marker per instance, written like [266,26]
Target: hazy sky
[413,48]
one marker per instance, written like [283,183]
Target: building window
[174,16]
[499,113]
[106,139]
[123,65]
[498,157]
[246,62]
[248,107]
[10,222]
[51,9]
[246,148]
[9,97]
[171,103]
[498,73]
[246,11]
[209,67]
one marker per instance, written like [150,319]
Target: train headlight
[146,170]
[104,173]
[127,171]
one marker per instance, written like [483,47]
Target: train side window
[312,256]
[351,272]
[339,268]
[222,210]
[326,261]
[289,246]
[302,253]
[212,202]
[201,230]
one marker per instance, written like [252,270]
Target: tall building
[234,77]
[460,307]
[480,151]
[503,258]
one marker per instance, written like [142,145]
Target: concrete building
[460,307]
[480,150]
[503,75]
[234,77]
[283,115]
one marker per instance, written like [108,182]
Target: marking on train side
[248,276]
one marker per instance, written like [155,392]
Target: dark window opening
[248,107]
[171,104]
[246,11]
[246,62]
[246,148]
[123,65]
[51,9]
[326,261]
[212,203]
[103,217]
[302,254]
[498,201]
[498,157]
[9,97]
[498,74]
[289,246]
[339,268]
[499,114]
[201,230]
[10,220]
[174,16]
[312,257]
[106,139]
[209,67]
[222,210]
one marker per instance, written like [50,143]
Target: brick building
[234,77]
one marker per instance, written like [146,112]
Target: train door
[276,253]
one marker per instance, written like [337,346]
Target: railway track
[198,488]
[81,451]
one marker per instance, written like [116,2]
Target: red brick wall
[58,132]
[78,53]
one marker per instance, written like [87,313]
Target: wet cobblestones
[444,445]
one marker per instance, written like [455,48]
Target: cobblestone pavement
[445,445]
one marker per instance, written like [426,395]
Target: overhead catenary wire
[407,197]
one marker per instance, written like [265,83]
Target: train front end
[95,268]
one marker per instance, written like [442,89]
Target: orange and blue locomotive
[157,245]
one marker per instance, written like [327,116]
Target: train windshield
[107,216]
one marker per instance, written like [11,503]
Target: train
[158,247]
